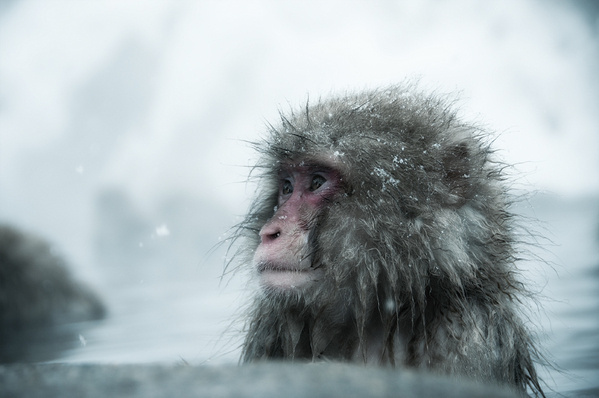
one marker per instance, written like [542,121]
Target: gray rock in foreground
[271,379]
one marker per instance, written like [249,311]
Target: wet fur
[419,255]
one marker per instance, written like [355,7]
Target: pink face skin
[284,256]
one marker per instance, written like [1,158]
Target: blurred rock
[38,296]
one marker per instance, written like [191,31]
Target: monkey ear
[457,165]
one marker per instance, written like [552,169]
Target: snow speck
[398,160]
[79,169]
[82,341]
[390,305]
[386,177]
[162,230]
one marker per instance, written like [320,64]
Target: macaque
[37,294]
[381,234]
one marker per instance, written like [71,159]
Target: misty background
[124,129]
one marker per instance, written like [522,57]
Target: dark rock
[38,296]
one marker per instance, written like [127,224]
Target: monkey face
[284,257]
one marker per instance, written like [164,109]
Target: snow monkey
[381,234]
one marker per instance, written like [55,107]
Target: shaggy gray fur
[418,255]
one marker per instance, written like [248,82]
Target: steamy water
[169,305]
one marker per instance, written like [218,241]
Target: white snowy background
[123,127]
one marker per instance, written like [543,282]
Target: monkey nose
[269,233]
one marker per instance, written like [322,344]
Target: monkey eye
[287,187]
[317,182]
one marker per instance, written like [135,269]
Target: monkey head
[358,192]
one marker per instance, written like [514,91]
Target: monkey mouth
[286,276]
[279,267]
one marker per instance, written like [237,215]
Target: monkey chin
[283,279]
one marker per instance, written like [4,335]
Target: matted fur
[418,254]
